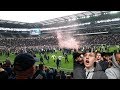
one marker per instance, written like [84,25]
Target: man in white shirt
[60,58]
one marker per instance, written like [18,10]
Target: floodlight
[114,12]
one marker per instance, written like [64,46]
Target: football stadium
[62,47]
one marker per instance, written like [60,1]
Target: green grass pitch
[64,66]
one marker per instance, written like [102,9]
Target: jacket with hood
[114,71]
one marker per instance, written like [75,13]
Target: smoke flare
[67,41]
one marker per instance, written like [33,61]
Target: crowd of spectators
[27,42]
[108,39]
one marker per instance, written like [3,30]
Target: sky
[34,16]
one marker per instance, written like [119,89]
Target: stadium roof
[85,14]
[28,19]
[16,24]
[34,16]
[80,15]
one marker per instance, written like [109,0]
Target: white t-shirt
[60,57]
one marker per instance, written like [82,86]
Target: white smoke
[66,40]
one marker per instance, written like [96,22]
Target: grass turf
[64,66]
